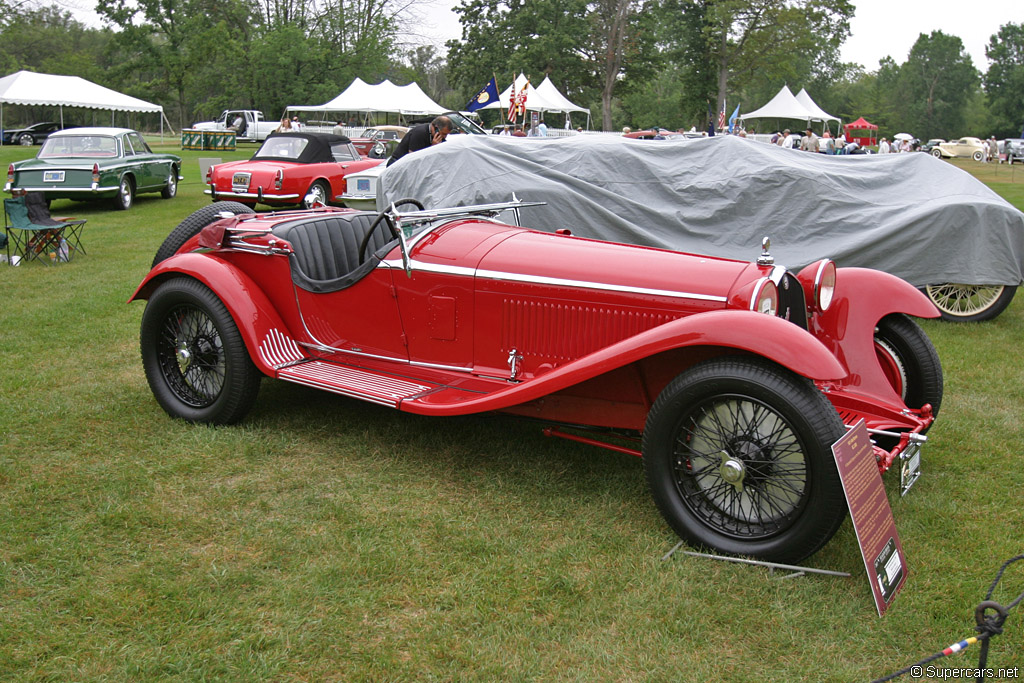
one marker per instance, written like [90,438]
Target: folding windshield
[91,146]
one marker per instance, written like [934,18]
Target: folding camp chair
[33,234]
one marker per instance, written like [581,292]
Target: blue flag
[732,119]
[487,95]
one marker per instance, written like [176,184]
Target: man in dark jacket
[422,136]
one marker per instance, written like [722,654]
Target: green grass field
[326,539]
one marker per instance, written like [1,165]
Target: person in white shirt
[883,147]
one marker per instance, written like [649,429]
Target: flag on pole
[488,94]
[721,117]
[732,119]
[517,102]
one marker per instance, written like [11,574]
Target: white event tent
[786,105]
[385,97]
[29,88]
[544,98]
[818,114]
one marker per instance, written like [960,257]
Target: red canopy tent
[861,132]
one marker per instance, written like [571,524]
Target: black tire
[191,226]
[25,140]
[125,196]
[737,453]
[910,361]
[171,188]
[320,191]
[978,156]
[195,359]
[937,153]
[970,303]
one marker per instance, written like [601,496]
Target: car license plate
[362,184]
[240,181]
[910,466]
[53,176]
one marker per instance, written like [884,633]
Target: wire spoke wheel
[194,356]
[191,356]
[740,467]
[970,303]
[737,454]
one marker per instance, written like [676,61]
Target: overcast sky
[879,28]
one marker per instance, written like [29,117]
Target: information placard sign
[872,517]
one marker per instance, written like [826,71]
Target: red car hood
[517,254]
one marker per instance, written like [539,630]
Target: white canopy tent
[407,100]
[810,105]
[551,94]
[543,98]
[786,105]
[29,88]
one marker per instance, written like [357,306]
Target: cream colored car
[964,148]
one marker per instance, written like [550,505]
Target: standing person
[285,126]
[542,129]
[339,128]
[809,143]
[883,146]
[985,151]
[422,136]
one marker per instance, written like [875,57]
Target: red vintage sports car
[732,379]
[298,169]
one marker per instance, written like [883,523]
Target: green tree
[1004,80]
[934,87]
[772,41]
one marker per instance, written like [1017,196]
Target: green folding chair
[32,234]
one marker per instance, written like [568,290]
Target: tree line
[642,63]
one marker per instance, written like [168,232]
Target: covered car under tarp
[907,214]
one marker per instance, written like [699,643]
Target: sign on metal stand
[879,541]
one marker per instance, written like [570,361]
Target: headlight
[824,284]
[766,297]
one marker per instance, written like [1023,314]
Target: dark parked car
[34,134]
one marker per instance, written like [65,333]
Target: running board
[367,386]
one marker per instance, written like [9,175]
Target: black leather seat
[326,248]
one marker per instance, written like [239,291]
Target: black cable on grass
[990,617]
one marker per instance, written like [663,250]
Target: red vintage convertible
[732,379]
[290,169]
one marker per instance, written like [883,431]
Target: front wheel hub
[732,471]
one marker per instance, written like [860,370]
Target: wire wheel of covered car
[195,359]
[737,456]
[970,303]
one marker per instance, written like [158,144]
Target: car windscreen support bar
[772,566]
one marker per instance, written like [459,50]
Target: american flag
[721,117]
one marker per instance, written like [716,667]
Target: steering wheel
[383,216]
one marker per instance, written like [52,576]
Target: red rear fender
[248,305]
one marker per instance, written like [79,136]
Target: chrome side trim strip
[554,281]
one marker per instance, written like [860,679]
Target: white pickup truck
[249,124]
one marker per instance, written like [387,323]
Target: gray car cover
[907,214]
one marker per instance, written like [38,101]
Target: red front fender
[756,333]
[862,298]
[249,307]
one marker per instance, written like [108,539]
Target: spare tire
[191,226]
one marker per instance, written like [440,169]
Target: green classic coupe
[96,163]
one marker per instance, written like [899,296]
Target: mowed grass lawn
[326,539]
